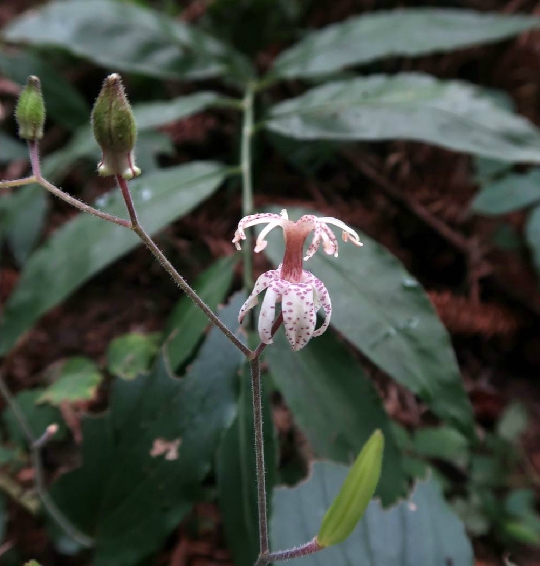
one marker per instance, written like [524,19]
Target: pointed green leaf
[236,475]
[124,37]
[85,245]
[334,404]
[407,32]
[512,192]
[381,309]
[78,380]
[355,494]
[187,322]
[421,531]
[144,460]
[409,106]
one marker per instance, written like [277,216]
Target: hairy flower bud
[357,490]
[115,129]
[30,110]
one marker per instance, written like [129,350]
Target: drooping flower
[301,294]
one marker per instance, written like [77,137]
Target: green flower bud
[356,492]
[30,111]
[32,563]
[115,129]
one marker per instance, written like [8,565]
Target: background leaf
[410,32]
[335,405]
[64,102]
[421,531]
[187,322]
[148,115]
[381,309]
[85,245]
[508,194]
[77,380]
[236,475]
[12,149]
[532,235]
[129,494]
[131,354]
[26,219]
[409,106]
[125,37]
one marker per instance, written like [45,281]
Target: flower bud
[115,130]
[355,494]
[30,111]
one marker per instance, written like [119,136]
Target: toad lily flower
[301,294]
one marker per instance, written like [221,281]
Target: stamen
[352,236]
[261,243]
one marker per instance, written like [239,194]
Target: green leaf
[64,103]
[27,213]
[39,417]
[411,32]
[421,531]
[130,355]
[128,38]
[508,194]
[144,460]
[236,474]
[12,150]
[77,380]
[187,322]
[443,443]
[532,235]
[409,106]
[85,245]
[148,115]
[513,423]
[334,404]
[381,309]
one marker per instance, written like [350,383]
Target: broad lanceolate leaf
[125,37]
[143,461]
[78,380]
[381,34]
[334,404]
[381,309]
[187,322]
[85,245]
[236,475]
[148,115]
[422,531]
[409,106]
[508,194]
[532,234]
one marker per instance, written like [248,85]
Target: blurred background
[85,311]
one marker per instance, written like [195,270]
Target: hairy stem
[308,548]
[178,279]
[259,454]
[17,182]
[35,448]
[36,169]
[247,187]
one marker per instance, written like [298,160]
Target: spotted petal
[323,298]
[260,285]
[298,314]
[268,310]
